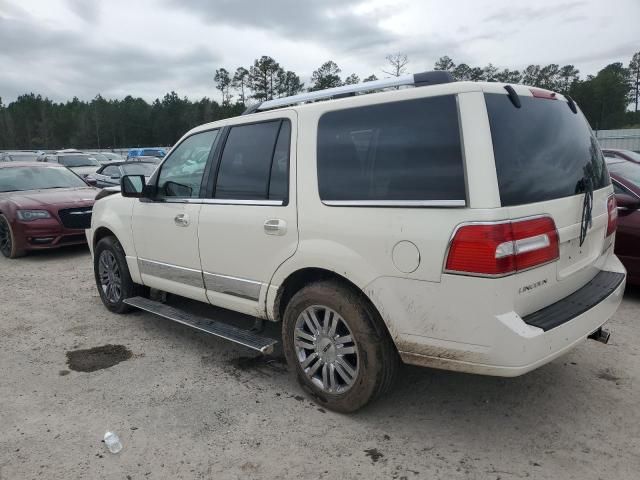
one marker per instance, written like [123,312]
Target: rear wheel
[112,275]
[8,245]
[338,347]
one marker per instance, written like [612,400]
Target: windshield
[145,169]
[152,152]
[543,150]
[37,178]
[627,170]
[79,161]
[23,157]
[633,155]
[98,156]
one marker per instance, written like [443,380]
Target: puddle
[374,454]
[97,358]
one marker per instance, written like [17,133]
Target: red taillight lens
[499,249]
[612,210]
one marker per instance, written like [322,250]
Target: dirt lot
[189,406]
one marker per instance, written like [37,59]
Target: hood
[53,198]
[83,171]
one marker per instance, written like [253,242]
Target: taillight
[499,249]
[539,93]
[612,210]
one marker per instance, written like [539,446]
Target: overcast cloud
[67,48]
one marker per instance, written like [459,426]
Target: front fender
[114,213]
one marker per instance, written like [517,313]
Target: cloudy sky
[66,48]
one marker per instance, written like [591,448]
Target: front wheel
[112,275]
[338,346]
[8,244]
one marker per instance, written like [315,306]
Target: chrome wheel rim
[5,238]
[326,349]
[110,279]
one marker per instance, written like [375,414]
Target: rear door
[547,162]
[249,225]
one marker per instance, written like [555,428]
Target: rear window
[542,150]
[72,161]
[399,151]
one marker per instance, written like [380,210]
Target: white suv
[457,225]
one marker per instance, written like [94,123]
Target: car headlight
[30,215]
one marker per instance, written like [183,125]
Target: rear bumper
[504,344]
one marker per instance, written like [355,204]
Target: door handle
[181,220]
[275,226]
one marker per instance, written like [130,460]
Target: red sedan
[42,206]
[626,183]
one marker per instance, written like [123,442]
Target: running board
[219,329]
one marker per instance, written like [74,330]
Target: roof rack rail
[416,79]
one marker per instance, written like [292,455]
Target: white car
[80,163]
[456,225]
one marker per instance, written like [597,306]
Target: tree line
[36,122]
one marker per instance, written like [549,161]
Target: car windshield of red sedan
[79,161]
[17,179]
[627,170]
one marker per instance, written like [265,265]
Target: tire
[8,244]
[109,251]
[374,361]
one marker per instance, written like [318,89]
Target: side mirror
[627,202]
[132,186]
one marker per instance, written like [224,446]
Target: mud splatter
[97,358]
[607,375]
[263,364]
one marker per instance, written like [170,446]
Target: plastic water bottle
[112,442]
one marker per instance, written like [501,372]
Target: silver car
[109,175]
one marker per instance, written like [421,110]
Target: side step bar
[219,329]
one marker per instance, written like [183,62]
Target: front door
[249,225]
[165,229]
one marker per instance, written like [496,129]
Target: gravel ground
[190,406]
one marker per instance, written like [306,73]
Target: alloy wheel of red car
[6,244]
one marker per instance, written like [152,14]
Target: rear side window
[543,151]
[255,162]
[399,151]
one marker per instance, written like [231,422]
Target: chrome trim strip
[188,276]
[395,203]
[218,201]
[238,287]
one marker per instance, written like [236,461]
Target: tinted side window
[279,181]
[407,150]
[181,174]
[618,189]
[246,165]
[111,171]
